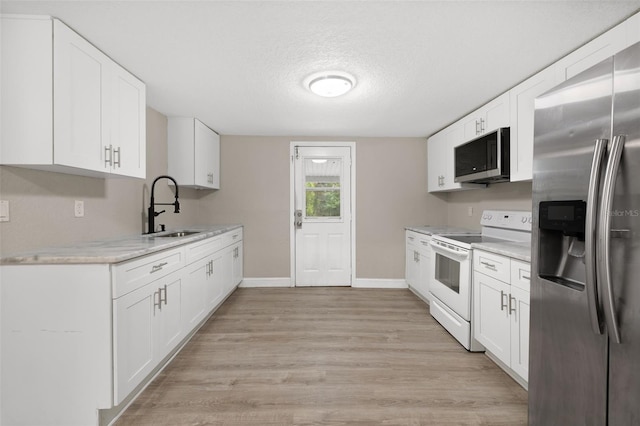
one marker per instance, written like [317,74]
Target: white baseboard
[358,283]
[379,283]
[266,282]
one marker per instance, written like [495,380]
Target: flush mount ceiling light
[330,85]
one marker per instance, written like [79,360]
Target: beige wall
[505,196]
[41,203]
[390,189]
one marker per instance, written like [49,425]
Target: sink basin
[176,234]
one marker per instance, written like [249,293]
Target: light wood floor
[327,356]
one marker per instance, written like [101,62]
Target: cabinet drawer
[424,245]
[129,276]
[411,238]
[198,250]
[492,265]
[521,274]
[231,237]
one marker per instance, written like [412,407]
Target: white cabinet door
[491,116]
[214,287]
[135,329]
[593,52]
[522,114]
[520,332]
[80,86]
[127,118]
[492,325]
[147,326]
[424,265]
[436,167]
[194,153]
[207,159]
[193,292]
[412,270]
[170,329]
[238,273]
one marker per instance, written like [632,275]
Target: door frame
[292,229]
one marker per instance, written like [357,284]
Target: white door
[323,205]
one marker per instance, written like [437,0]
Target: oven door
[451,278]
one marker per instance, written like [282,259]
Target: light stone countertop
[435,230]
[516,250]
[114,250]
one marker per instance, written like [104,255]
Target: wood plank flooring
[327,356]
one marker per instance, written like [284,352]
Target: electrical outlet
[79,208]
[4,211]
[470,211]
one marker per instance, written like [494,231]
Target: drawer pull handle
[512,309]
[158,267]
[235,236]
[489,265]
[502,303]
[165,294]
[526,277]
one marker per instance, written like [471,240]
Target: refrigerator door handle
[590,235]
[604,236]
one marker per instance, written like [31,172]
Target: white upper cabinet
[490,117]
[127,139]
[522,113]
[440,159]
[90,112]
[593,52]
[194,153]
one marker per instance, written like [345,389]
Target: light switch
[4,211]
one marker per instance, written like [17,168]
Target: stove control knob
[524,219]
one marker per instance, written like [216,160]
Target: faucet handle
[158,213]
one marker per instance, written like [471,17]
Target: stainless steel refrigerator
[585,295]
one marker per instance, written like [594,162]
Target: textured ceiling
[239,66]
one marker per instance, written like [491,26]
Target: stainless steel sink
[176,234]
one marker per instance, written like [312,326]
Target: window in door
[323,188]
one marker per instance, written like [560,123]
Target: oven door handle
[450,252]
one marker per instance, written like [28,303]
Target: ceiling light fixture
[330,85]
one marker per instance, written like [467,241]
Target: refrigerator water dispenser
[561,244]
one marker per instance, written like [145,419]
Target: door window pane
[322,187]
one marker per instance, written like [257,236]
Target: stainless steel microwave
[484,159]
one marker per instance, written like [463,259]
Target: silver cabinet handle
[108,160]
[489,265]
[502,304]
[604,236]
[158,267]
[481,125]
[165,294]
[526,277]
[116,157]
[595,307]
[477,127]
[512,307]
[158,303]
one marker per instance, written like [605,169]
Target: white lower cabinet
[501,309]
[418,265]
[97,332]
[147,326]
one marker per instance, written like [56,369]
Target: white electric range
[451,285]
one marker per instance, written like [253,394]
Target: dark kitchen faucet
[152,213]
